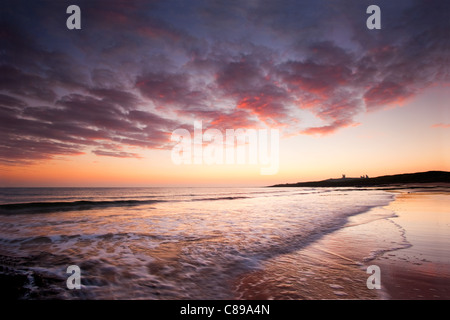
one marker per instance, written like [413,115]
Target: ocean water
[173,243]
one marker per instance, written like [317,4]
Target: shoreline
[406,237]
[398,237]
[420,271]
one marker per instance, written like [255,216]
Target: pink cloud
[441,125]
[386,93]
[146,68]
[328,129]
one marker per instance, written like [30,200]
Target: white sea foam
[176,248]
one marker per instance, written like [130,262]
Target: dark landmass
[397,179]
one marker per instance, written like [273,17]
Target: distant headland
[365,181]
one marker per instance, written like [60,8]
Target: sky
[98,106]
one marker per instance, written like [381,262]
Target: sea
[189,243]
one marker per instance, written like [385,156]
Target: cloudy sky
[97,106]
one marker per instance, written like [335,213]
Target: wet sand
[408,239]
[421,271]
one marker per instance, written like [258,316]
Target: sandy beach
[421,271]
[280,244]
[408,240]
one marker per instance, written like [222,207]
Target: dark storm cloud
[8,101]
[31,85]
[77,122]
[137,70]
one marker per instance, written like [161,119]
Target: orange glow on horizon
[390,141]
